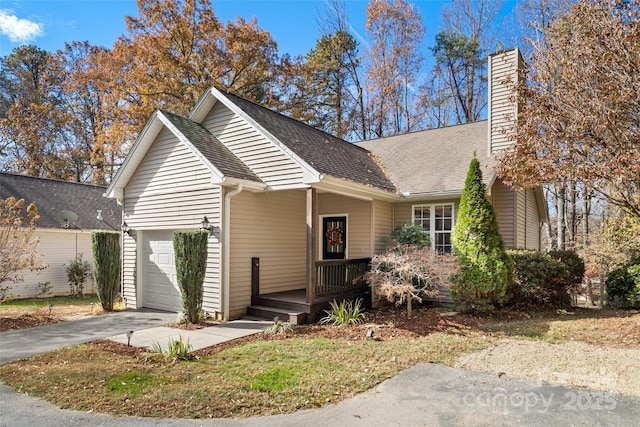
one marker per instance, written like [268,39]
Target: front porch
[333,280]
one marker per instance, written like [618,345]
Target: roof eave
[352,189]
[310,174]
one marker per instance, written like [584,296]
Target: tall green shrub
[485,267]
[623,287]
[190,249]
[106,260]
[543,278]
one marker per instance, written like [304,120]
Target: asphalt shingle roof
[210,147]
[435,160]
[52,197]
[325,153]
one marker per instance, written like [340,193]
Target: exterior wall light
[206,225]
[127,229]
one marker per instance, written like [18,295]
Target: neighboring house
[68,212]
[296,214]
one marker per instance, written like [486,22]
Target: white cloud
[18,30]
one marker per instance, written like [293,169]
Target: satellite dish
[69,218]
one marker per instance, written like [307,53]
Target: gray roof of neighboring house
[211,148]
[53,198]
[325,153]
[436,160]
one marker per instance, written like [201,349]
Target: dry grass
[26,313]
[311,367]
[292,374]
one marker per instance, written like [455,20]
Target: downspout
[226,248]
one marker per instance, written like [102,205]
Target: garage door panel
[161,289]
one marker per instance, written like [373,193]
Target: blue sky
[50,23]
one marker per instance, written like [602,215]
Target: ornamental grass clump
[190,249]
[345,312]
[106,259]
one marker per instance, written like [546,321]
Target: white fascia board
[541,202]
[246,184]
[352,189]
[204,104]
[310,175]
[151,130]
[216,176]
[432,195]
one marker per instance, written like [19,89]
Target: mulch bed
[22,322]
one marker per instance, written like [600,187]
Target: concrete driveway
[27,342]
[425,395]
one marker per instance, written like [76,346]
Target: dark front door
[334,233]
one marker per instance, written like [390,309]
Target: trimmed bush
[485,267]
[190,249]
[538,278]
[623,287]
[106,260]
[411,234]
[574,265]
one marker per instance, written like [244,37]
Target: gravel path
[572,363]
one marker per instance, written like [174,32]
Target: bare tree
[18,245]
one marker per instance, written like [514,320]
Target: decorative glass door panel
[334,235]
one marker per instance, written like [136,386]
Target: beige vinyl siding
[502,77]
[521,215]
[504,202]
[532,221]
[358,222]
[264,158]
[272,227]
[172,190]
[129,271]
[56,249]
[382,224]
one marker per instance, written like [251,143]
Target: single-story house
[296,214]
[69,212]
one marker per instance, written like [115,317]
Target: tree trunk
[561,219]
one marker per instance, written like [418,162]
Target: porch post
[312,220]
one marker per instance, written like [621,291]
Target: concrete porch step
[284,315]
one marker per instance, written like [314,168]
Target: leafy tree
[191,265]
[485,267]
[330,76]
[396,31]
[31,127]
[578,120]
[18,245]
[173,51]
[87,149]
[457,90]
[461,64]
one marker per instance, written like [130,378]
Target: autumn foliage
[580,106]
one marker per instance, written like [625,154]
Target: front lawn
[29,312]
[311,367]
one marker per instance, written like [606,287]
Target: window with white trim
[438,220]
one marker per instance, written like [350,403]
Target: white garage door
[160,288]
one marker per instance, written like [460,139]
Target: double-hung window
[438,220]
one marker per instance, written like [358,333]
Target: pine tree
[485,266]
